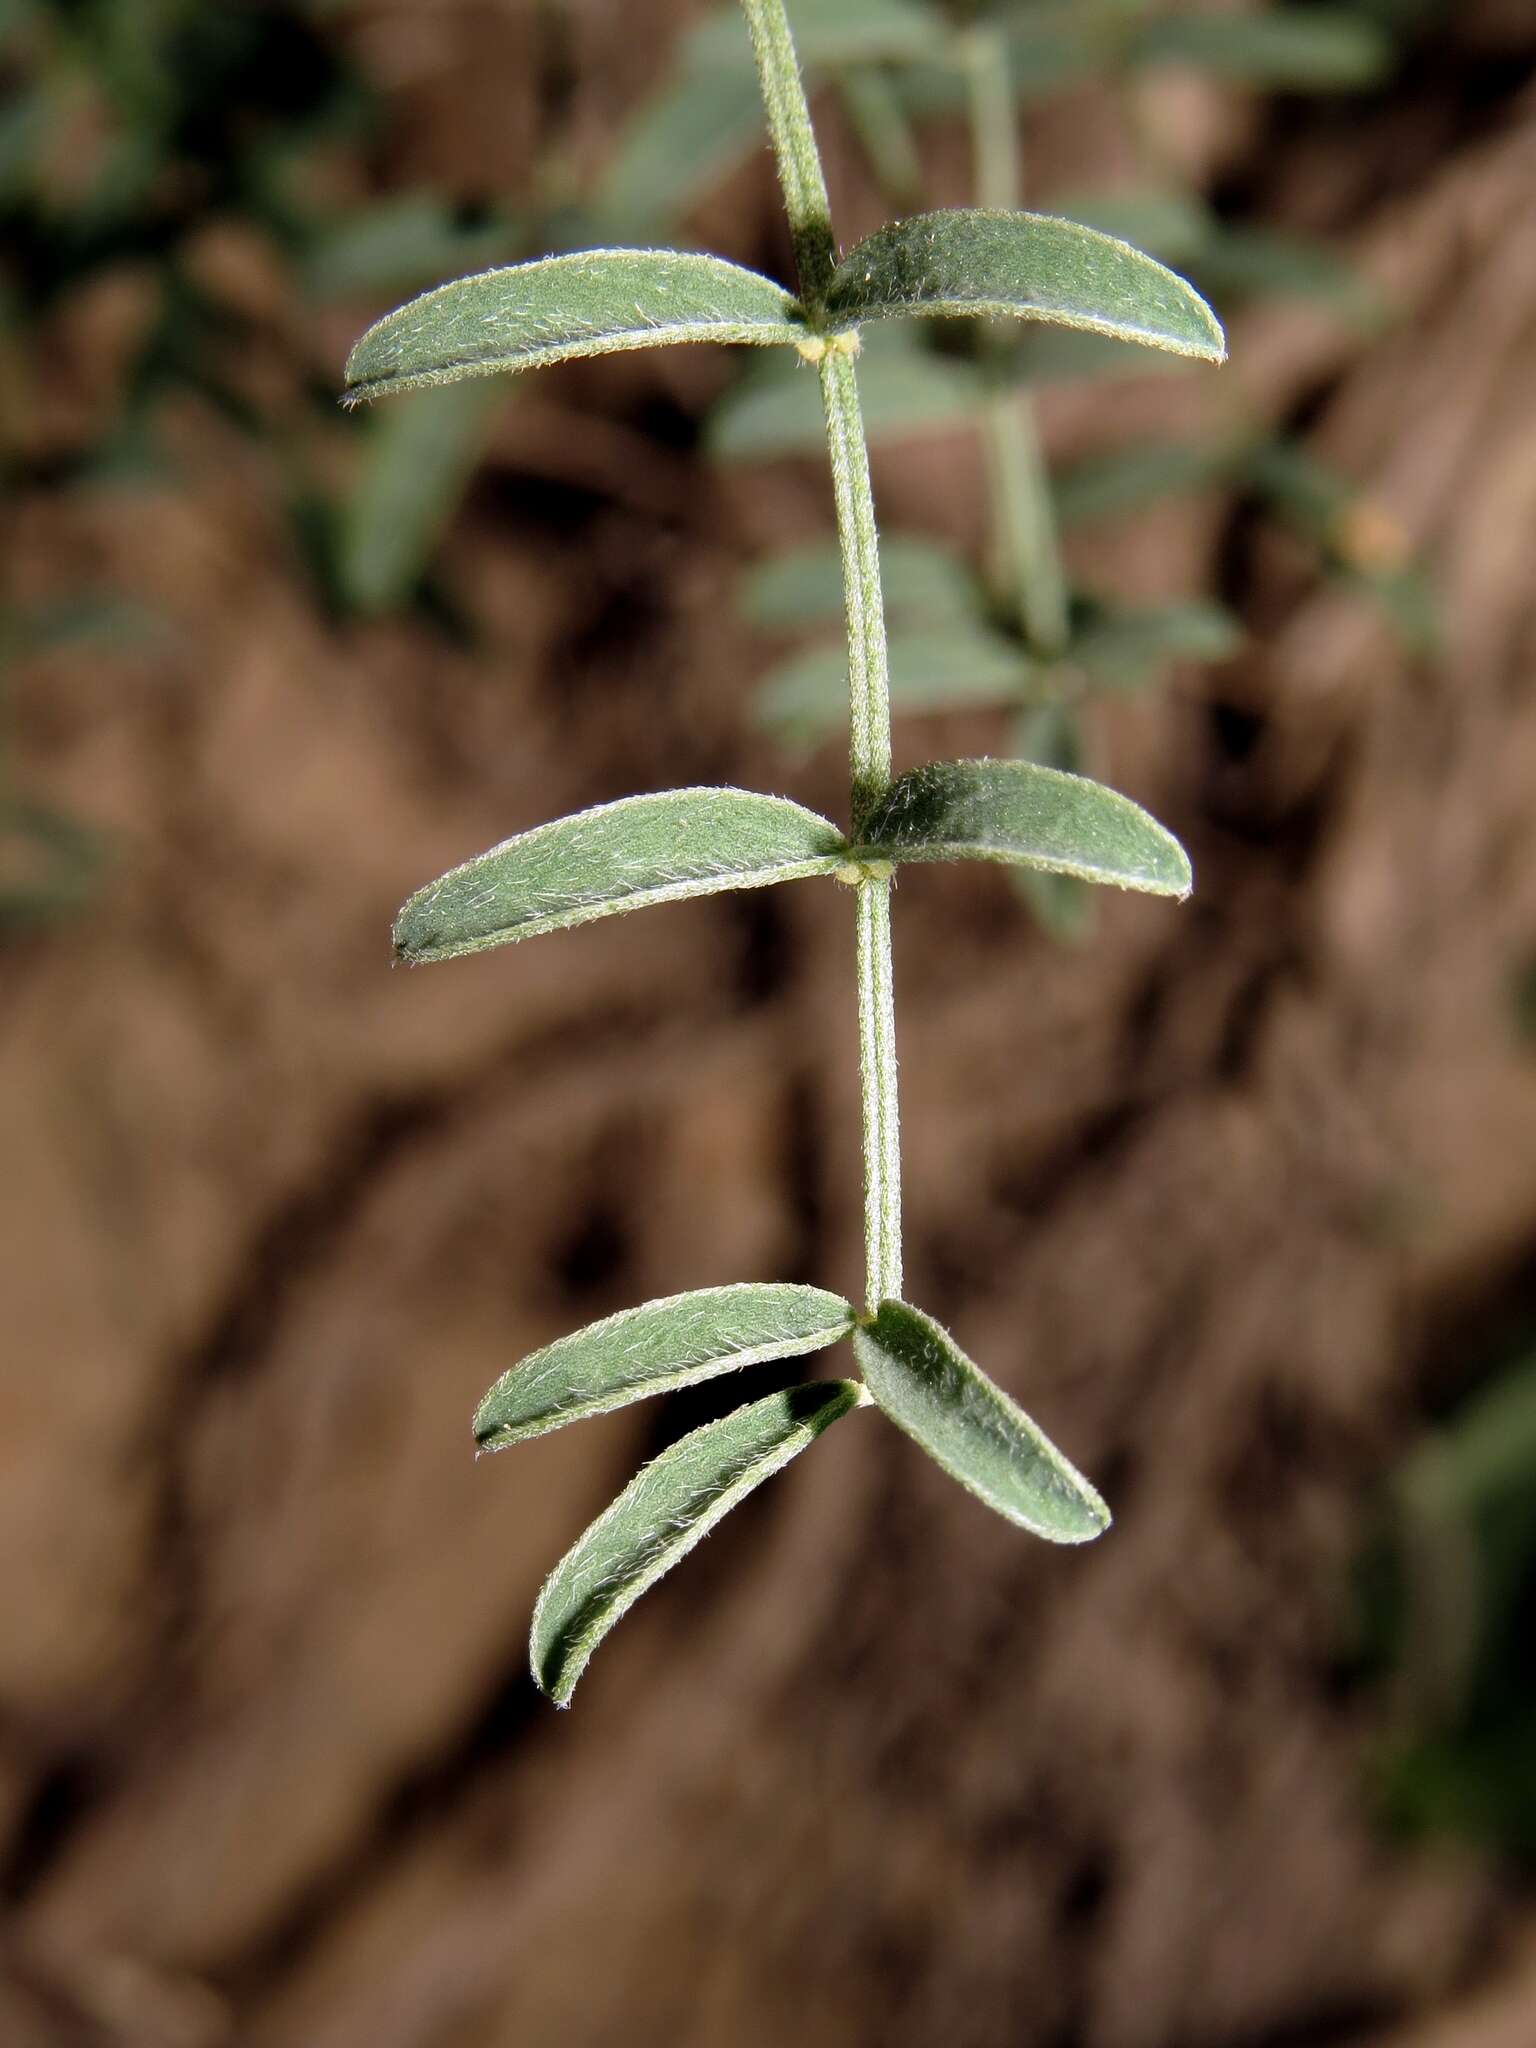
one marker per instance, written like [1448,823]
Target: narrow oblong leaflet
[924,1382]
[616,857]
[1019,812]
[653,1349]
[1028,266]
[669,1506]
[561,306]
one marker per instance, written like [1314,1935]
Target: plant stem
[882,1116]
[1024,521]
[869,739]
[869,776]
[869,705]
[794,150]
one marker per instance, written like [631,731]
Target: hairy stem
[869,743]
[1028,566]
[869,704]
[882,1117]
[869,774]
[794,150]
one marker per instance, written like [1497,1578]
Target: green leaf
[953,670]
[1309,494]
[1048,50]
[928,1387]
[1243,262]
[1052,49]
[668,1507]
[397,244]
[418,460]
[615,857]
[1126,650]
[1062,905]
[50,866]
[1028,265]
[1358,537]
[1017,812]
[1230,262]
[564,306]
[1411,605]
[904,391]
[828,35]
[1173,226]
[1110,486]
[689,135]
[832,33]
[1067,355]
[1052,736]
[1299,49]
[655,1349]
[804,586]
[709,117]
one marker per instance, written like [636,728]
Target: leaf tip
[549,1683]
[1168,870]
[1097,1519]
[411,937]
[357,382]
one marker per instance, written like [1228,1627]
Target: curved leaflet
[561,306]
[1027,265]
[654,1349]
[1017,811]
[669,1506]
[616,857]
[925,1383]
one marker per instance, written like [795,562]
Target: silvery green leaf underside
[669,1506]
[925,1383]
[616,857]
[655,1349]
[562,306]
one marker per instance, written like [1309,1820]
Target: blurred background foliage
[133,135]
[220,194]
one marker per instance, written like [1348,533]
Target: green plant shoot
[994,263]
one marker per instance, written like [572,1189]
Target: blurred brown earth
[1218,1196]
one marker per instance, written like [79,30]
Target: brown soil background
[1224,1196]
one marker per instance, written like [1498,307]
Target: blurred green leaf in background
[1449,1619]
